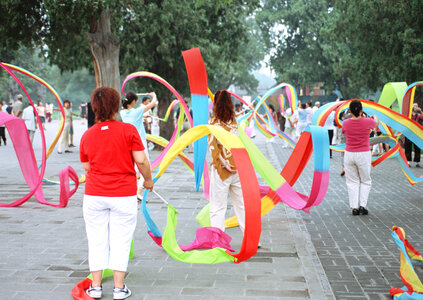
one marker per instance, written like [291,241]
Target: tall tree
[126,36]
[354,45]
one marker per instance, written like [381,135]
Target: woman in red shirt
[108,151]
[357,158]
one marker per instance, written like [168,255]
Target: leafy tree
[356,46]
[126,36]
[291,31]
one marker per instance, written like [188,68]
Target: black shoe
[68,151]
[59,152]
[72,145]
[417,165]
[363,211]
[355,212]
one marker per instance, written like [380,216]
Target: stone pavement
[358,253]
[44,250]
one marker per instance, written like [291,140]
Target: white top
[29,118]
[309,115]
[329,121]
[293,118]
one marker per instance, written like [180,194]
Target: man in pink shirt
[357,158]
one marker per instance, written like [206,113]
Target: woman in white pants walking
[357,158]
[108,151]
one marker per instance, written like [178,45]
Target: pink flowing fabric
[26,157]
[209,238]
[206,238]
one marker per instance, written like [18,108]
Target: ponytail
[130,97]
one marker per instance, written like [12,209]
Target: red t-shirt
[108,147]
[357,132]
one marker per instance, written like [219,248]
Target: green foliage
[355,45]
[75,86]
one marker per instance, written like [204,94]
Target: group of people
[27,114]
[112,153]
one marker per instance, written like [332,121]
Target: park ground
[327,254]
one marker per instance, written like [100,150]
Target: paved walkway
[358,253]
[44,249]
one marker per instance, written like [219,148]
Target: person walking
[357,157]
[41,110]
[302,120]
[17,109]
[64,138]
[224,178]
[3,128]
[409,145]
[29,119]
[108,151]
[329,125]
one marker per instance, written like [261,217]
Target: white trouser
[219,199]
[291,132]
[110,224]
[31,135]
[357,172]
[141,180]
[64,138]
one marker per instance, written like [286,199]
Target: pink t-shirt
[357,132]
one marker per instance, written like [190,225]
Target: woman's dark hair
[105,103]
[130,97]
[223,108]
[356,108]
[303,106]
[272,107]
[145,99]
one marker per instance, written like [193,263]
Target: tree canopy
[354,45]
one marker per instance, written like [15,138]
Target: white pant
[219,199]
[357,172]
[110,224]
[291,132]
[64,138]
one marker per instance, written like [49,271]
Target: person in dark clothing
[409,145]
[91,115]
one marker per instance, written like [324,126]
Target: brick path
[44,249]
[358,254]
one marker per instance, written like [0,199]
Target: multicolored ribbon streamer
[25,153]
[389,120]
[413,287]
[197,77]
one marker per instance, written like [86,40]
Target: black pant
[330,132]
[2,134]
[408,145]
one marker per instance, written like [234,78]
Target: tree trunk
[166,128]
[105,48]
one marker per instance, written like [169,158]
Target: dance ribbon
[413,287]
[180,101]
[26,157]
[197,77]
[389,120]
[408,99]
[251,195]
[393,91]
[314,139]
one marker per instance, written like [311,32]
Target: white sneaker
[121,293]
[95,292]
